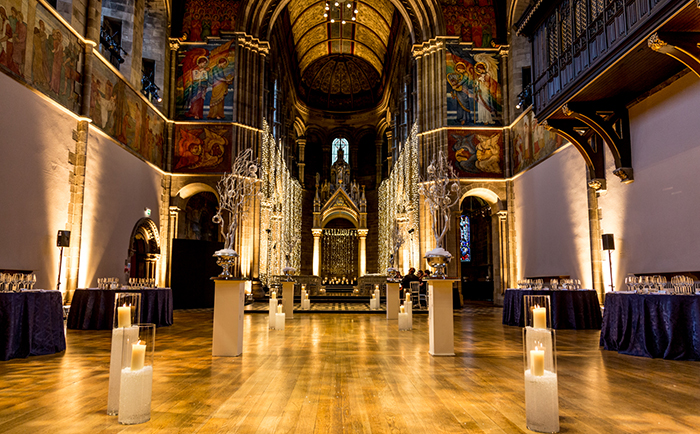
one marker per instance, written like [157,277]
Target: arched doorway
[475,249]
[144,249]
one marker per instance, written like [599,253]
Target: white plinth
[115,364]
[392,300]
[288,299]
[374,303]
[306,303]
[135,395]
[229,299]
[542,402]
[405,321]
[273,311]
[279,321]
[440,317]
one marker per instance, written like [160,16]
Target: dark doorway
[193,266]
[144,249]
[475,250]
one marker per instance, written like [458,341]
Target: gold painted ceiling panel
[372,20]
[315,36]
[296,7]
[368,38]
[308,20]
[368,55]
[385,8]
[313,54]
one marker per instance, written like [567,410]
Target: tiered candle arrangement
[406,315]
[374,301]
[305,302]
[127,311]
[137,376]
[541,391]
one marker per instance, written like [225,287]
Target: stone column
[390,148]
[362,233]
[301,143]
[317,251]
[499,289]
[174,46]
[163,270]
[596,248]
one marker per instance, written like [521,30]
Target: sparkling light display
[280,211]
[465,248]
[399,203]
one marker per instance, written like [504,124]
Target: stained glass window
[340,144]
[465,250]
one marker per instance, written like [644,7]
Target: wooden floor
[349,373]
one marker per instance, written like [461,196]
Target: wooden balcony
[598,52]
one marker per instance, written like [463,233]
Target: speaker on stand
[609,245]
[63,240]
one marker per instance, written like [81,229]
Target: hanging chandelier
[341,11]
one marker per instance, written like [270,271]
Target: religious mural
[476,153]
[473,90]
[532,143]
[472,20]
[205,18]
[204,81]
[119,111]
[202,148]
[36,48]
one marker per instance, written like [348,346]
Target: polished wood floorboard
[349,373]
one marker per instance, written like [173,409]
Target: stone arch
[487,193]
[144,249]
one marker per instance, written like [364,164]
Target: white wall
[118,188]
[656,219]
[35,138]
[551,218]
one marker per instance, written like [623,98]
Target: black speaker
[608,242]
[63,239]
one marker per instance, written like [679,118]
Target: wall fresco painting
[473,90]
[472,20]
[532,143]
[202,148]
[204,82]
[36,48]
[205,18]
[476,153]
[121,113]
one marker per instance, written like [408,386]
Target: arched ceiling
[316,36]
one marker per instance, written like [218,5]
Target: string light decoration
[280,211]
[399,202]
[342,12]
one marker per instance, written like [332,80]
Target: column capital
[174,44]
[362,232]
[316,232]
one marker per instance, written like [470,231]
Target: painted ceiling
[316,36]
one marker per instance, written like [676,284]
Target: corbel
[682,46]
[613,126]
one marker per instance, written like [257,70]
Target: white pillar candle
[408,296]
[279,308]
[138,356]
[403,309]
[537,362]
[115,364]
[124,316]
[539,317]
[273,295]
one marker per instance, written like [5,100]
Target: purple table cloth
[31,324]
[652,325]
[93,309]
[578,309]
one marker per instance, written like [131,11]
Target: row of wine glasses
[108,282]
[140,283]
[565,284]
[535,284]
[682,285]
[645,284]
[17,281]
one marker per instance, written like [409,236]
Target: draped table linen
[31,323]
[571,309]
[93,309]
[652,325]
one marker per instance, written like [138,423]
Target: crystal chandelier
[342,11]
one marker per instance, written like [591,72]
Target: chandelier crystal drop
[342,11]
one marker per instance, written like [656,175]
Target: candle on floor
[279,308]
[138,355]
[539,317]
[135,395]
[124,316]
[408,296]
[273,295]
[537,361]
[403,309]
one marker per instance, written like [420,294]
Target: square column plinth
[392,300]
[441,317]
[288,299]
[229,299]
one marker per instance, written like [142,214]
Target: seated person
[423,284]
[406,281]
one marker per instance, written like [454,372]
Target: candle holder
[137,376]
[534,315]
[127,314]
[305,302]
[541,391]
[273,311]
[279,318]
[406,317]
